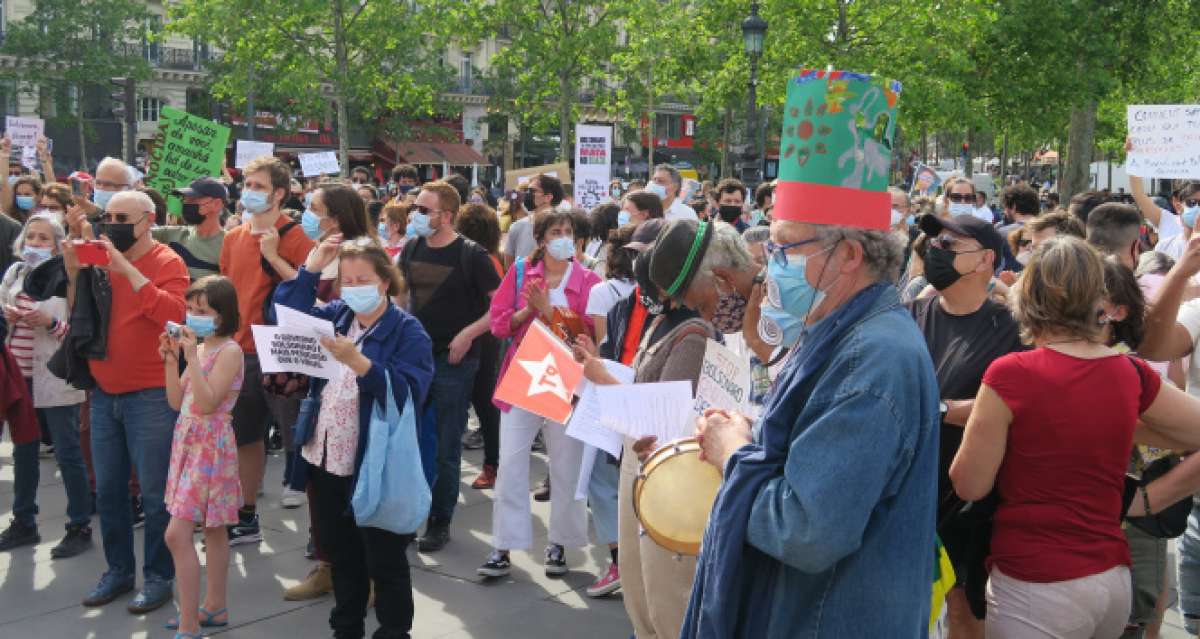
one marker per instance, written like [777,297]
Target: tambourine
[673,496]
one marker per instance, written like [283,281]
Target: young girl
[202,485]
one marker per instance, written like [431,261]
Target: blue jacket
[396,343]
[839,538]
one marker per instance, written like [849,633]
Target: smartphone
[77,187]
[174,330]
[91,252]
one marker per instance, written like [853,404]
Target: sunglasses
[424,210]
[950,244]
[121,218]
[959,198]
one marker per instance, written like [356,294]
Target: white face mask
[960,208]
[1023,257]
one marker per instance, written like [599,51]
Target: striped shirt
[21,341]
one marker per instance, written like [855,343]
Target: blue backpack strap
[520,266]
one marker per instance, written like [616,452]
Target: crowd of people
[1009,387]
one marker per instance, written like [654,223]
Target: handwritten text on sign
[1165,141]
[724,380]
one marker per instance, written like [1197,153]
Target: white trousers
[512,520]
[1092,607]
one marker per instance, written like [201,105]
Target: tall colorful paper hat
[836,149]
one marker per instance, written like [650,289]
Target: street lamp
[753,30]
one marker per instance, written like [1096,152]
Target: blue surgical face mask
[788,288]
[383,231]
[308,197]
[1189,216]
[657,189]
[419,223]
[255,202]
[623,217]
[362,299]
[34,255]
[961,208]
[101,197]
[25,202]
[409,231]
[910,220]
[561,248]
[202,325]
[777,327]
[311,224]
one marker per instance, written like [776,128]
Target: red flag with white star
[542,376]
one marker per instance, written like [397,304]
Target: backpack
[464,264]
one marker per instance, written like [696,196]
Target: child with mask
[202,483]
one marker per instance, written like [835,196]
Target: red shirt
[1062,477]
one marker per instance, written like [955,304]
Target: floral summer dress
[202,484]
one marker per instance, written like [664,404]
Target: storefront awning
[452,153]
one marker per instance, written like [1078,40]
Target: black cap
[204,187]
[967,225]
[645,234]
[678,252]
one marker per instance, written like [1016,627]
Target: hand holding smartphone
[91,252]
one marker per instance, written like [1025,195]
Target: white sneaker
[292,498]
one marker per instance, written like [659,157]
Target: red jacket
[16,404]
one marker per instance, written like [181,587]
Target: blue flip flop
[187,635]
[207,620]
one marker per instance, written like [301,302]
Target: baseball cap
[204,187]
[966,225]
[645,234]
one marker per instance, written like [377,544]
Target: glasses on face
[959,198]
[1024,243]
[122,218]
[424,210]
[953,244]
[111,186]
[778,252]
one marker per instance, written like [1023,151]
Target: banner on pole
[593,164]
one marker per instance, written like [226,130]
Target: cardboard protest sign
[323,163]
[186,147]
[248,150]
[518,178]
[836,149]
[23,131]
[724,380]
[542,375]
[1165,141]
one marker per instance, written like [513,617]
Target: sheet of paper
[323,163]
[591,455]
[248,150]
[1164,139]
[585,425]
[661,409]
[622,373]
[23,131]
[724,379]
[292,350]
[292,318]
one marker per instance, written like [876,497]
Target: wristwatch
[943,408]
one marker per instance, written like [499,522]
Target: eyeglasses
[121,218]
[947,243]
[111,186]
[1024,243]
[425,210]
[959,198]
[778,252]
[1191,203]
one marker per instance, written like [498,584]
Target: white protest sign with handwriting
[323,163]
[23,131]
[284,349]
[1165,140]
[724,380]
[248,150]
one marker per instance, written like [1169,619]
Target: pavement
[39,596]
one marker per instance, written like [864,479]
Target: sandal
[187,635]
[207,620]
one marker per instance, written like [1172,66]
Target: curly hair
[479,223]
[883,251]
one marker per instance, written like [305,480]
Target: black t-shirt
[962,348]
[442,295]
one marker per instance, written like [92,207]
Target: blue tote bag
[392,493]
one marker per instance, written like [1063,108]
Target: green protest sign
[836,148]
[186,147]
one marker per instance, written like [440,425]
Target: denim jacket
[852,518]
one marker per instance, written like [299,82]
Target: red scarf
[633,330]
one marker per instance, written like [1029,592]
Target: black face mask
[192,214]
[121,235]
[729,213]
[528,200]
[939,268]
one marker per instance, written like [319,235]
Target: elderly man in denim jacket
[824,526]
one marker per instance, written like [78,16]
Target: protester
[666,183]
[393,223]
[35,333]
[965,332]
[552,285]
[130,417]
[377,344]
[1057,536]
[1082,204]
[449,279]
[1115,229]
[958,198]
[259,253]
[731,203]
[543,193]
[478,223]
[603,220]
[202,484]
[581,226]
[199,241]
[901,209]
[789,550]
[914,278]
[1174,229]
[335,209]
[55,200]
[764,196]
[1021,206]
[1051,225]
[639,206]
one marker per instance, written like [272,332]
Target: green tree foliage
[77,45]
[370,58]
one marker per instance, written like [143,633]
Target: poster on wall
[593,164]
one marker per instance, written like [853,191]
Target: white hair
[726,249]
[130,176]
[142,200]
[56,230]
